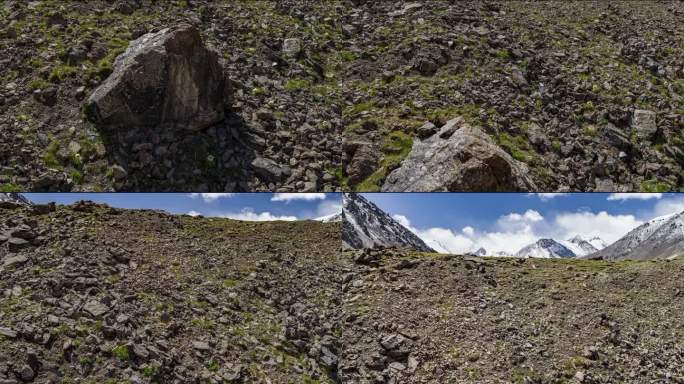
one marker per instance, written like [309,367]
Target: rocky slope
[103,295]
[662,237]
[94,294]
[592,101]
[365,225]
[431,318]
[279,130]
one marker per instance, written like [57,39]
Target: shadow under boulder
[164,117]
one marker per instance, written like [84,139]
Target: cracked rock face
[168,79]
[458,158]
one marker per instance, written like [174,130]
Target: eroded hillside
[93,294]
[102,295]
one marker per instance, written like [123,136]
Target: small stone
[292,47]
[200,345]
[95,308]
[644,122]
[141,351]
[6,332]
[15,260]
[118,172]
[26,373]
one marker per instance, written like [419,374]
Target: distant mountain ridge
[659,238]
[365,225]
[550,248]
[14,197]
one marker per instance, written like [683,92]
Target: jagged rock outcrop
[458,158]
[365,225]
[168,79]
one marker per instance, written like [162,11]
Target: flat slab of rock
[6,332]
[644,122]
[200,345]
[458,158]
[15,260]
[95,308]
[168,78]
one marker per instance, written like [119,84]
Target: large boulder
[458,158]
[165,79]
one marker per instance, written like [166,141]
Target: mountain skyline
[503,224]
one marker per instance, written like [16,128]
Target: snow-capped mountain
[550,248]
[14,197]
[660,238]
[545,248]
[364,225]
[334,218]
[582,247]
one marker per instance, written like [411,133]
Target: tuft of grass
[517,146]
[503,54]
[213,366]
[296,84]
[9,187]
[655,186]
[38,84]
[77,177]
[50,155]
[149,371]
[121,352]
[61,72]
[396,147]
[348,55]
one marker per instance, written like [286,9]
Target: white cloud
[248,214]
[588,224]
[516,230]
[329,207]
[634,196]
[194,213]
[297,196]
[210,197]
[530,216]
[442,240]
[668,206]
[548,196]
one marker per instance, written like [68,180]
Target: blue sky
[463,222]
[245,206]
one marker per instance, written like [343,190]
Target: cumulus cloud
[328,207]
[297,196]
[588,224]
[530,216]
[248,214]
[442,240]
[210,197]
[634,196]
[548,196]
[513,231]
[669,206]
[194,213]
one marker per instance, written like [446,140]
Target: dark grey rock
[167,79]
